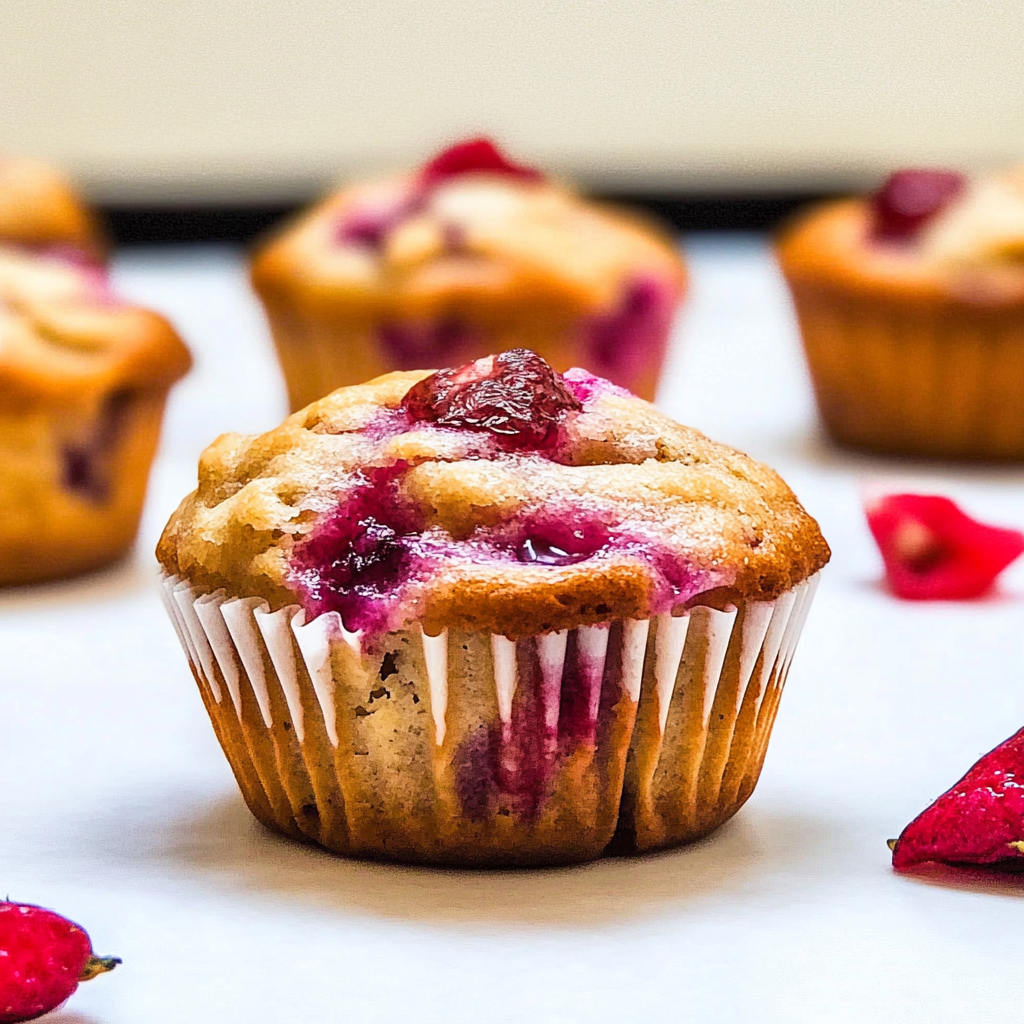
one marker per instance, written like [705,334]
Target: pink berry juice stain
[514,767]
[357,559]
[629,343]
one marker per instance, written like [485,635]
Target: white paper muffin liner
[472,748]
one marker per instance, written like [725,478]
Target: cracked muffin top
[498,496]
[926,234]
[469,225]
[64,335]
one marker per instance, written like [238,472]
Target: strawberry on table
[979,821]
[43,957]
[933,550]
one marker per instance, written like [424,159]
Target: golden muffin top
[471,225]
[498,496]
[925,234]
[66,338]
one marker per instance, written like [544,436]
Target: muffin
[84,378]
[39,210]
[911,307]
[468,255]
[489,616]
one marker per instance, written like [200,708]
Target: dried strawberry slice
[934,551]
[473,156]
[516,396]
[979,821]
[910,198]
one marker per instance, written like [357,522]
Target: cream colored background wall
[153,99]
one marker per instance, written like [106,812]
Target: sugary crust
[64,337]
[829,247]
[518,242]
[39,207]
[734,521]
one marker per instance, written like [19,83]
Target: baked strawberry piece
[474,156]
[979,821]
[471,253]
[934,551]
[515,396]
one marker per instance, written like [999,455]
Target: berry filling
[510,767]
[86,465]
[369,225]
[412,345]
[934,551]
[909,199]
[93,281]
[558,544]
[630,340]
[979,821]
[588,388]
[515,396]
[356,560]
[473,156]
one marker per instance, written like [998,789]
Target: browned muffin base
[389,791]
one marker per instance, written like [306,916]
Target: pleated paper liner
[895,378]
[470,748]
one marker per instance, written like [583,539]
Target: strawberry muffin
[489,615]
[84,378]
[465,256]
[911,307]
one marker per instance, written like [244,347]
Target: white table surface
[117,808]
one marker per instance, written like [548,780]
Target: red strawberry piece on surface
[934,551]
[979,821]
[43,957]
[473,156]
[515,395]
[909,199]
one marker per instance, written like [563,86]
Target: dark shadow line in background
[242,223]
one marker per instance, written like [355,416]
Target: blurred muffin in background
[40,209]
[466,256]
[83,380]
[911,307]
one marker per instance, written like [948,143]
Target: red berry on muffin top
[909,199]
